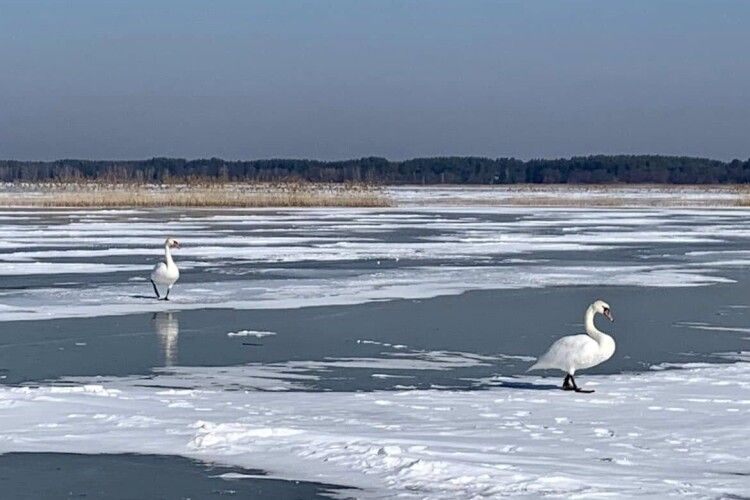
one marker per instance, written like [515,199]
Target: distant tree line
[449,170]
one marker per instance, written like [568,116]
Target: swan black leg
[169,289]
[567,386]
[578,389]
[156,290]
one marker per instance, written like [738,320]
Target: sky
[98,79]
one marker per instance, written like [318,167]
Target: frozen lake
[383,349]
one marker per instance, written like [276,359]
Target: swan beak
[608,315]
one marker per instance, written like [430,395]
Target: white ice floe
[735,356]
[276,377]
[399,360]
[715,328]
[672,432]
[250,333]
[290,236]
[344,289]
[297,375]
[384,344]
[283,258]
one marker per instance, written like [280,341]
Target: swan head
[603,308]
[172,243]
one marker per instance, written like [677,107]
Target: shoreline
[576,196]
[311,195]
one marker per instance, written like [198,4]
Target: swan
[166,273]
[576,352]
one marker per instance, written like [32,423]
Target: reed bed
[226,195]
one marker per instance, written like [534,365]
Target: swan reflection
[167,329]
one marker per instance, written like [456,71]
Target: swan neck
[168,256]
[591,329]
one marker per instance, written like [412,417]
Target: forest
[448,170]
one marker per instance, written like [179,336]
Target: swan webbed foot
[569,384]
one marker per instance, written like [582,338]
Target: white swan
[576,352]
[166,273]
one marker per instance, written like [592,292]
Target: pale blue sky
[342,79]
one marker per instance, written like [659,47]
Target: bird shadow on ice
[513,384]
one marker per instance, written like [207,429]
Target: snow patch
[418,443]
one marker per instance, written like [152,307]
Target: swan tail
[536,366]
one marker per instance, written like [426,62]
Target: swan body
[578,352]
[166,273]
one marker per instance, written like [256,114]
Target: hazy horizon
[300,158]
[334,80]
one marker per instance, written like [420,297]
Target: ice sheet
[348,256]
[675,432]
[354,288]
[337,235]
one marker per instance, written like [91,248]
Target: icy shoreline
[572,195]
[658,433]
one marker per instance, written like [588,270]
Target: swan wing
[165,274]
[568,353]
[159,272]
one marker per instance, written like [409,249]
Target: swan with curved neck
[577,352]
[166,273]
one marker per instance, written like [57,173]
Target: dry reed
[82,195]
